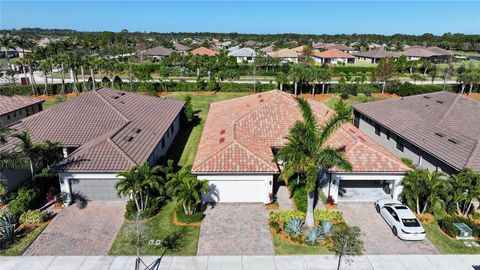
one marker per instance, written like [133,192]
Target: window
[377,129]
[400,144]
[8,116]
[172,128]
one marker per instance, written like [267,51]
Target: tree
[464,188]
[45,67]
[323,75]
[281,79]
[8,160]
[188,189]
[446,72]
[7,43]
[433,73]
[385,71]
[346,242]
[28,149]
[307,152]
[296,74]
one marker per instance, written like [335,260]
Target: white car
[401,219]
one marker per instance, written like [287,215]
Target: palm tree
[281,79]
[323,75]
[296,74]
[138,181]
[45,66]
[7,43]
[28,149]
[188,189]
[307,152]
[59,60]
[463,189]
[4,133]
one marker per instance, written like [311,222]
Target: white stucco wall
[238,188]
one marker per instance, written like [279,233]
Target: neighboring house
[299,49]
[181,48]
[235,48]
[434,54]
[240,136]
[333,56]
[203,51]
[375,55]
[12,53]
[243,55]
[328,46]
[14,108]
[250,43]
[268,49]
[157,53]
[103,132]
[285,55]
[438,131]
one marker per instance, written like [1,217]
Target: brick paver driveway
[74,231]
[235,229]
[376,234]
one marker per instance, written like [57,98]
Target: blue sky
[316,17]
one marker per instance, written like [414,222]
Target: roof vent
[361,138]
[222,140]
[427,97]
[130,139]
[222,131]
[439,101]
[351,130]
[261,100]
[453,141]
[439,134]
[138,130]
[116,97]
[122,94]
[259,96]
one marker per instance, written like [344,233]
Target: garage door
[237,191]
[362,190]
[95,189]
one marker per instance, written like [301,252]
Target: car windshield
[410,222]
[401,207]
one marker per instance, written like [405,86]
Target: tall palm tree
[28,149]
[281,79]
[188,189]
[307,152]
[46,67]
[7,43]
[296,74]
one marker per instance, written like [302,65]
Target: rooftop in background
[158,51]
[284,53]
[204,51]
[12,103]
[327,46]
[180,47]
[332,53]
[243,52]
[239,135]
[267,49]
[113,129]
[444,124]
[420,51]
[377,53]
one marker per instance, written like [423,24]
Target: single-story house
[375,55]
[285,55]
[268,49]
[14,108]
[333,56]
[434,54]
[203,51]
[243,55]
[181,48]
[157,53]
[327,46]
[236,152]
[102,133]
[438,131]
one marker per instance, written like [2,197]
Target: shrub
[319,215]
[294,226]
[131,210]
[446,224]
[33,217]
[326,227]
[407,162]
[188,219]
[23,201]
[327,215]
[408,89]
[274,225]
[313,235]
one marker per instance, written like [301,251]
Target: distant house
[203,51]
[250,43]
[285,55]
[234,48]
[268,49]
[102,133]
[224,45]
[10,52]
[244,55]
[434,54]
[181,48]
[14,108]
[157,53]
[333,56]
[375,55]
[438,131]
[327,46]
[299,49]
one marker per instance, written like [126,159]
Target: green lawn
[155,229]
[200,103]
[444,244]
[283,247]
[20,245]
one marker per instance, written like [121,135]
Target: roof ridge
[119,150]
[214,155]
[109,104]
[261,159]
[473,154]
[449,110]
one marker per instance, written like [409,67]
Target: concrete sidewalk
[370,262]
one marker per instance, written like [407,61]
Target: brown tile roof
[332,53]
[239,135]
[327,46]
[267,49]
[203,51]
[158,51]
[180,47]
[420,51]
[284,53]
[106,125]
[444,124]
[377,53]
[13,103]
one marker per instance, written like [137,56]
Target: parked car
[400,218]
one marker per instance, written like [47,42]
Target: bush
[188,219]
[408,89]
[353,70]
[319,215]
[299,195]
[33,217]
[23,201]
[407,162]
[274,225]
[131,211]
[446,224]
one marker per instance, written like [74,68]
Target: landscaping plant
[346,242]
[188,189]
[33,217]
[294,227]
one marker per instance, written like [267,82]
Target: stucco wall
[19,114]
[168,137]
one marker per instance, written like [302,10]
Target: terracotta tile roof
[284,53]
[377,53]
[203,51]
[267,49]
[332,53]
[13,103]
[97,121]
[239,135]
[444,124]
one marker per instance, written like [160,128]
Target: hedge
[353,70]
[446,224]
[408,89]
[188,219]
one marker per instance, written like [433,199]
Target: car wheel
[394,230]
[377,207]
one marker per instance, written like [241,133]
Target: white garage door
[237,191]
[95,189]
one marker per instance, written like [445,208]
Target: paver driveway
[74,231]
[235,229]
[376,234]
